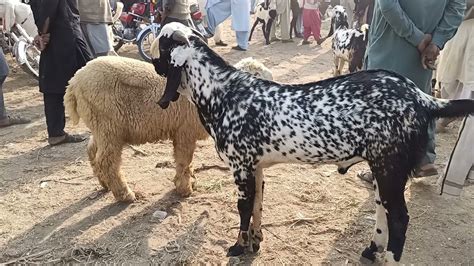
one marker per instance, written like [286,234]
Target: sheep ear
[173,81]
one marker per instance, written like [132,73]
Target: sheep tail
[454,108]
[70,103]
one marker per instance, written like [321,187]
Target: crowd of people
[405,38]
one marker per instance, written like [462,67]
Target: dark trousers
[54,111]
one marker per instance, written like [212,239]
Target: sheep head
[174,46]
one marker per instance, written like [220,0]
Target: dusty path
[51,208]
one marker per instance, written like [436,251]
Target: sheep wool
[116,98]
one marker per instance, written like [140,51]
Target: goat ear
[173,81]
[197,33]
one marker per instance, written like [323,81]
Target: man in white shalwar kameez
[220,10]
[456,77]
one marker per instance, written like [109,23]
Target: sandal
[221,43]
[13,120]
[54,141]
[425,170]
[366,176]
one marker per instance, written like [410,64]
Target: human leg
[242,39]
[56,120]
[5,119]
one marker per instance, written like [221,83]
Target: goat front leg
[253,28]
[245,180]
[336,65]
[268,30]
[256,227]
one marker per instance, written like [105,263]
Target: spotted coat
[376,115]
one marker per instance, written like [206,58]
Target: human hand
[424,43]
[45,38]
[429,56]
[37,42]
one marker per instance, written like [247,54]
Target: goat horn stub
[180,37]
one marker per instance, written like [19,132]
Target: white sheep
[116,98]
[255,68]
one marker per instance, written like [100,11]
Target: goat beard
[173,81]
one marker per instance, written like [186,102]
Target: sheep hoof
[184,186]
[236,250]
[127,198]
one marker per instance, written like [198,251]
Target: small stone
[222,242]
[161,215]
[234,261]
[43,184]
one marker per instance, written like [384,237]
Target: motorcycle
[130,24]
[20,44]
[150,32]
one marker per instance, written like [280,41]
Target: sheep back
[117,96]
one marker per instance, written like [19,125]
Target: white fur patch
[171,27]
[180,54]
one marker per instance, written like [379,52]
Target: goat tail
[70,102]
[454,108]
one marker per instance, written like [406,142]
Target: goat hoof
[255,247]
[235,250]
[369,252]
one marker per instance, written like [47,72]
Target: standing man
[218,31]
[95,16]
[176,11]
[219,10]
[63,52]
[283,9]
[406,37]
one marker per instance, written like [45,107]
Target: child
[311,21]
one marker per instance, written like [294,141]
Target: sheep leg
[183,156]
[92,152]
[253,28]
[256,230]
[108,160]
[245,181]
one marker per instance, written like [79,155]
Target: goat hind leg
[380,237]
[245,181]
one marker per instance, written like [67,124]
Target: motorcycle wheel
[31,66]
[144,44]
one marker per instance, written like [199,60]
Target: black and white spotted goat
[348,45]
[376,116]
[264,15]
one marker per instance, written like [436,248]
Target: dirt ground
[52,210]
